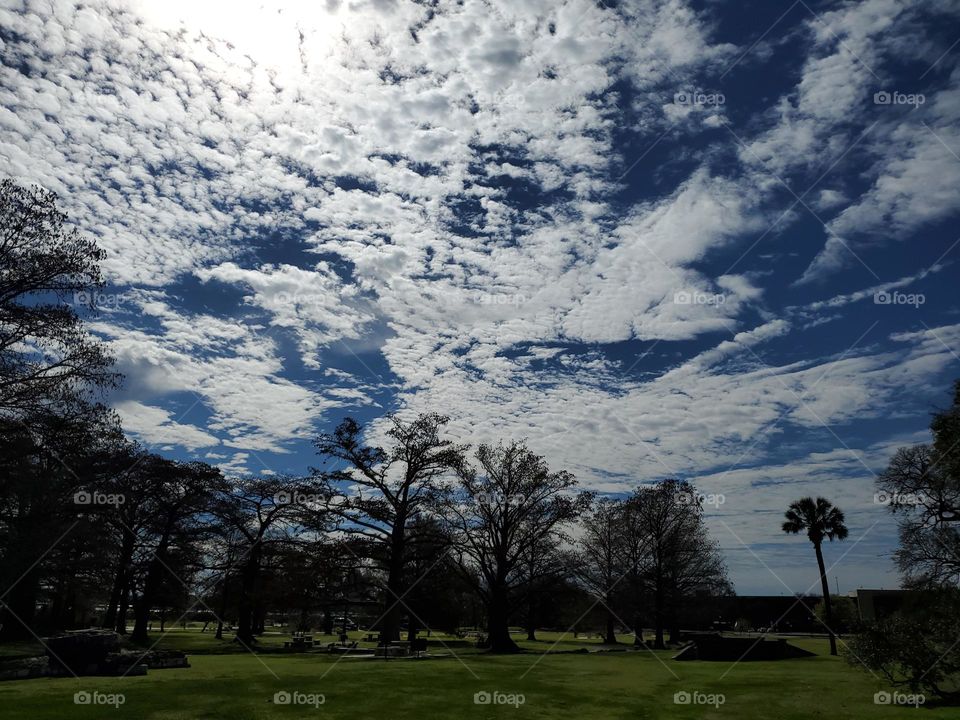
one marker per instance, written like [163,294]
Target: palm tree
[821,520]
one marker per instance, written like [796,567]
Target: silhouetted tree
[501,512]
[540,571]
[47,359]
[820,520]
[260,511]
[381,493]
[44,464]
[602,557]
[180,492]
[922,487]
[668,547]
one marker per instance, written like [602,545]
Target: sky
[707,240]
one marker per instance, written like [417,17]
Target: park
[227,682]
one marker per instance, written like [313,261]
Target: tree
[695,567]
[388,491]
[47,359]
[498,515]
[131,475]
[921,485]
[180,492]
[261,512]
[820,519]
[915,646]
[45,464]
[601,557]
[437,599]
[670,551]
[541,572]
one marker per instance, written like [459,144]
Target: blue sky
[709,240]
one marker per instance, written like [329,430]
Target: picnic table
[299,641]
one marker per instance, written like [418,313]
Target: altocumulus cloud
[610,230]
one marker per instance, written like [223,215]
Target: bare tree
[381,494]
[602,557]
[502,512]
[260,511]
[668,548]
[921,485]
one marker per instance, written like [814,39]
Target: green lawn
[236,685]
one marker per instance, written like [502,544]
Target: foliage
[47,359]
[916,646]
[921,486]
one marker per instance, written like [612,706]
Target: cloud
[313,303]
[506,211]
[158,426]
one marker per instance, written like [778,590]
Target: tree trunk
[498,628]
[122,608]
[828,610]
[610,636]
[19,614]
[141,608]
[223,606]
[120,579]
[673,618]
[247,591]
[390,623]
[141,618]
[259,618]
[151,585]
[531,619]
[658,615]
[637,629]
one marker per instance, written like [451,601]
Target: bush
[916,646]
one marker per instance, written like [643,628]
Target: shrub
[916,646]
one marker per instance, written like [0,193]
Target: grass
[228,683]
